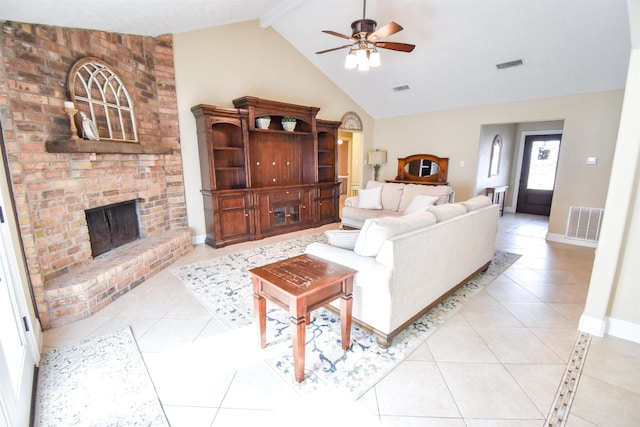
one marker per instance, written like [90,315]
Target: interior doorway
[350,161]
[19,352]
[538,174]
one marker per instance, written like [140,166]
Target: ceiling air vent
[401,88]
[510,64]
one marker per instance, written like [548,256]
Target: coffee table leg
[260,308]
[346,304]
[298,338]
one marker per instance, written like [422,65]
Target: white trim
[623,329]
[199,239]
[592,325]
[561,238]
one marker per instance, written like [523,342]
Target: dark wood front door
[538,176]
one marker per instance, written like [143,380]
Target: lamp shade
[378,157]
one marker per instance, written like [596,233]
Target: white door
[18,348]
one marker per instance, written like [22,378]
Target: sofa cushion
[447,211]
[443,192]
[376,230]
[391,194]
[420,203]
[354,217]
[476,203]
[370,198]
[345,239]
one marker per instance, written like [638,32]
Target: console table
[497,195]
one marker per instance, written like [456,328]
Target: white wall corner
[199,239]
[623,329]
[560,238]
[592,325]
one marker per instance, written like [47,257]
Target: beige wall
[218,65]
[590,129]
[507,134]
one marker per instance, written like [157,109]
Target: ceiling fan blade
[335,48]
[385,31]
[402,47]
[333,33]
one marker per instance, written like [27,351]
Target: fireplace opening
[112,226]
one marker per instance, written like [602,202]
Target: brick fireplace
[55,180]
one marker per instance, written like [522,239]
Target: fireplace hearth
[112,226]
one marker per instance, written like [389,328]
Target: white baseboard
[592,325]
[197,240]
[615,327]
[623,329]
[560,238]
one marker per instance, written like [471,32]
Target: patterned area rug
[67,392]
[224,286]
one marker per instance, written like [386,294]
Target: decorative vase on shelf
[288,123]
[263,122]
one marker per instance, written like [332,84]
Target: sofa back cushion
[447,211]
[475,203]
[376,230]
[443,192]
[391,194]
[420,203]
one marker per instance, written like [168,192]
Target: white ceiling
[568,46]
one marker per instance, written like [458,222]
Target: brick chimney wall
[52,190]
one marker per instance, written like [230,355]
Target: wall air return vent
[583,223]
[510,64]
[401,88]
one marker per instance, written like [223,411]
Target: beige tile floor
[497,362]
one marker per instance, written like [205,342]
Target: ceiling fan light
[374,59]
[361,56]
[364,65]
[350,61]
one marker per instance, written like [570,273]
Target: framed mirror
[494,165]
[423,169]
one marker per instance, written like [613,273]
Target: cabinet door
[326,203]
[282,209]
[232,218]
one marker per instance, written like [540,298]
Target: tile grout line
[561,406]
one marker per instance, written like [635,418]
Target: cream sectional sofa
[379,199]
[406,264]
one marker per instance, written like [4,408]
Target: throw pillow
[345,239]
[391,194]
[420,203]
[370,198]
[447,211]
[476,203]
[376,230]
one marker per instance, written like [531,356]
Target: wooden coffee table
[300,285]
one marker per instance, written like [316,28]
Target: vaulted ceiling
[566,46]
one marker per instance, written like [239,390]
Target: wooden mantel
[104,147]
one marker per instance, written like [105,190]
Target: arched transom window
[102,96]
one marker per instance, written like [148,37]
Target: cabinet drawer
[285,196]
[232,202]
[325,192]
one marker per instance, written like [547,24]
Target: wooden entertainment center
[262,182]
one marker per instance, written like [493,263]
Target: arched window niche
[102,96]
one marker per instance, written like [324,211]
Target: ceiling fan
[365,40]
